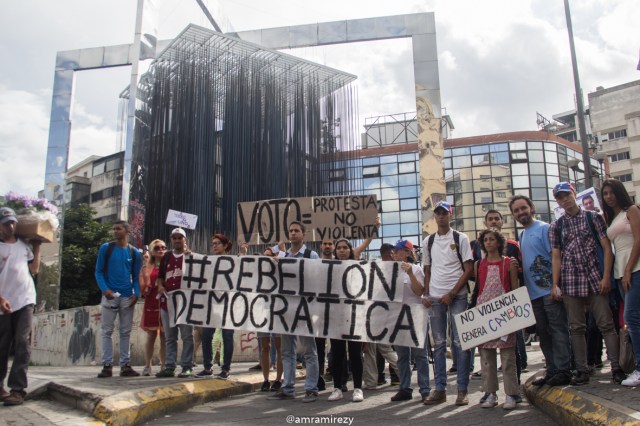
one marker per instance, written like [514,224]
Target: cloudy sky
[501,61]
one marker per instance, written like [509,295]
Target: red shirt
[171,273]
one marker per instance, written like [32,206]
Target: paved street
[377,408]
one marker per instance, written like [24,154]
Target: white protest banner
[183,220]
[349,300]
[496,318]
[352,217]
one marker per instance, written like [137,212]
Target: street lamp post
[588,181]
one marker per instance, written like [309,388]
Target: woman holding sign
[344,251]
[497,275]
[220,245]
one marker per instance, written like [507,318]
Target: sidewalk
[75,396]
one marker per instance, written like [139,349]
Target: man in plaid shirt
[576,272]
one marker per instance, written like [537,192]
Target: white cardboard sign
[183,220]
[349,300]
[496,318]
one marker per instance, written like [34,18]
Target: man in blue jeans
[552,326]
[448,267]
[289,342]
[117,271]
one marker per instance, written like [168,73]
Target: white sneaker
[490,402]
[358,396]
[632,380]
[509,403]
[335,395]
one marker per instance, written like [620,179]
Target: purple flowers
[18,202]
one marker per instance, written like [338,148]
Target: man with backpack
[448,267]
[117,271]
[581,279]
[289,342]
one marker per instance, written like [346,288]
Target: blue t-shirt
[536,259]
[119,271]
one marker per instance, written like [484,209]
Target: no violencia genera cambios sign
[351,217]
[349,300]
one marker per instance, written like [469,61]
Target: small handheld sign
[183,220]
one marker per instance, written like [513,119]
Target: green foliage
[47,287]
[82,238]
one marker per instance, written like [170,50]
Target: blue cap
[444,205]
[563,187]
[403,244]
[7,215]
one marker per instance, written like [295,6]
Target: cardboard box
[30,229]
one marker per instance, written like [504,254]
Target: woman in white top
[623,218]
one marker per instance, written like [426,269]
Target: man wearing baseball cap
[17,297]
[577,278]
[169,279]
[448,266]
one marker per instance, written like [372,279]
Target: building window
[337,174]
[619,156]
[371,171]
[98,168]
[518,156]
[501,194]
[624,178]
[408,167]
[617,134]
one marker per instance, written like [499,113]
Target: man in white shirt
[17,297]
[448,266]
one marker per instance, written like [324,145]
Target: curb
[137,406]
[568,405]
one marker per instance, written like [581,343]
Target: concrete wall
[73,337]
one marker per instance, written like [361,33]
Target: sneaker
[509,403]
[310,396]
[358,396]
[632,380]
[581,378]
[3,394]
[436,397]
[453,370]
[223,375]
[490,400]
[205,373]
[344,388]
[541,381]
[186,372]
[299,366]
[382,382]
[281,396]
[14,398]
[395,382]
[146,371]
[476,376]
[560,379]
[618,376]
[107,371]
[462,398]
[127,371]
[336,395]
[518,398]
[256,367]
[266,386]
[484,397]
[167,372]
[276,385]
[402,395]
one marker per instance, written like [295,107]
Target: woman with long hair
[150,321]
[496,275]
[344,251]
[623,218]
[220,245]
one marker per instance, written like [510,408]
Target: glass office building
[481,173]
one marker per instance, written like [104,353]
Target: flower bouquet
[36,217]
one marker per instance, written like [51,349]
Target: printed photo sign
[494,319]
[349,300]
[352,217]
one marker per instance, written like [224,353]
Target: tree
[81,240]
[47,287]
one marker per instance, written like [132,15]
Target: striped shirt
[579,272]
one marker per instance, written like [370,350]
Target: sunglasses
[159,248]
